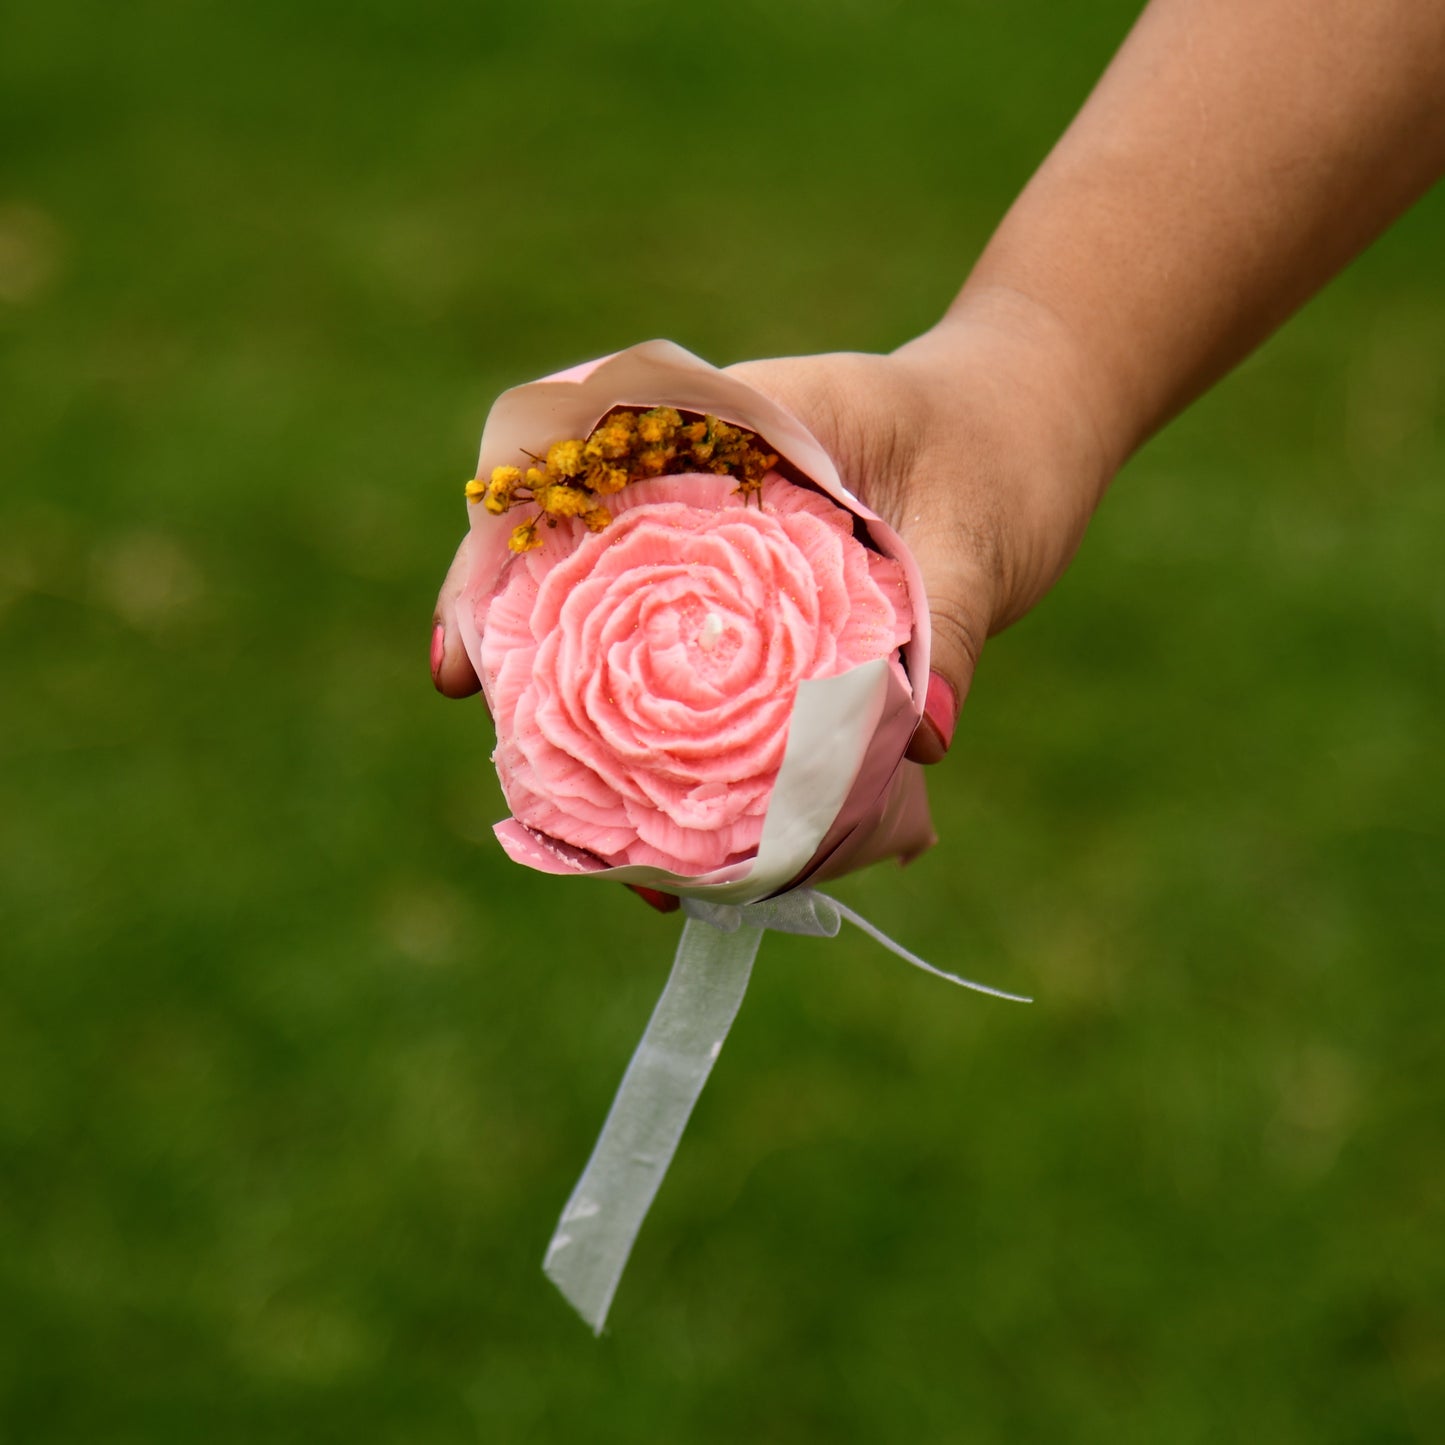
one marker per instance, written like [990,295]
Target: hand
[973,442]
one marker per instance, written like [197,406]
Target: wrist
[1048,364]
[1005,391]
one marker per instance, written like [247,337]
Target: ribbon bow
[685,1035]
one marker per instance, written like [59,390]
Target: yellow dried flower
[560,500]
[625,446]
[605,480]
[612,439]
[697,438]
[525,537]
[498,496]
[565,459]
[476,489]
[652,461]
[658,425]
[756,465]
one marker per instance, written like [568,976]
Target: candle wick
[711,630]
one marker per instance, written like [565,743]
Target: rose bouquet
[705,660]
[704,657]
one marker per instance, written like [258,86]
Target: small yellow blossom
[565,459]
[605,480]
[658,425]
[597,519]
[697,437]
[560,500]
[653,461]
[525,537]
[499,491]
[612,438]
[476,489]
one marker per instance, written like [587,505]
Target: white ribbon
[685,1035]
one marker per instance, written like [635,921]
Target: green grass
[296,1071]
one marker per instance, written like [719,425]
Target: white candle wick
[711,630]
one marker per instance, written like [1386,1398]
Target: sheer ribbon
[685,1035]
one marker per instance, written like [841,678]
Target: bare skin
[1235,155]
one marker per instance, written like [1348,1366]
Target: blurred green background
[296,1071]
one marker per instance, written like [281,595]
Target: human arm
[1233,157]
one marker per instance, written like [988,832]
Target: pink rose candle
[642,677]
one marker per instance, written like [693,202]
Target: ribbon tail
[858,921]
[685,1035]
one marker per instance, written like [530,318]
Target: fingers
[451,669]
[959,609]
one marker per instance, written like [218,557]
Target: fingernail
[438,651]
[663,902]
[940,708]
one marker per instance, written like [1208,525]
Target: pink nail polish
[438,651]
[940,708]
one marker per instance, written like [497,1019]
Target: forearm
[1236,154]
